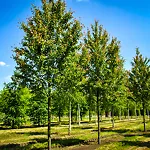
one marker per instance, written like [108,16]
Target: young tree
[96,44]
[14,105]
[139,78]
[115,75]
[51,35]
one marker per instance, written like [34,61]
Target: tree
[139,78]
[70,81]
[51,35]
[115,75]
[96,44]
[14,105]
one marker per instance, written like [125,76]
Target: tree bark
[79,114]
[148,113]
[144,118]
[90,115]
[112,117]
[59,117]
[120,114]
[98,117]
[135,112]
[69,130]
[49,119]
[128,112]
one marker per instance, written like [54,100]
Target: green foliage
[15,105]
[139,78]
[37,109]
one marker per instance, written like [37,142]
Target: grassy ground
[127,135]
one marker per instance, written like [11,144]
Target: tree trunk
[69,130]
[59,117]
[139,113]
[135,112]
[128,112]
[79,114]
[95,115]
[90,117]
[148,113]
[120,114]
[98,117]
[49,119]
[144,118]
[112,117]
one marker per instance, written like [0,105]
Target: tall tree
[115,74]
[51,35]
[96,44]
[139,77]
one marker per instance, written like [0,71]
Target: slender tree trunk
[98,117]
[49,119]
[90,115]
[59,117]
[79,114]
[148,114]
[69,130]
[135,112]
[95,115]
[112,117]
[128,112]
[120,114]
[144,118]
[139,113]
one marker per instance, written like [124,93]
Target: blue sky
[128,20]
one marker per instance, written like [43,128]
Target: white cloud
[2,63]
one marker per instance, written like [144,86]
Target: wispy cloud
[3,64]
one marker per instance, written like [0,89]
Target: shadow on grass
[84,128]
[136,143]
[23,146]
[58,142]
[120,131]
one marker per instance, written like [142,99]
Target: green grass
[126,135]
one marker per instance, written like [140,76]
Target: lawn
[127,135]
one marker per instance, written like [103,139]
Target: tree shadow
[84,128]
[56,142]
[120,131]
[136,143]
[32,133]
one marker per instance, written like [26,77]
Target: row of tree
[61,71]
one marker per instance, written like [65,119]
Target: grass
[126,135]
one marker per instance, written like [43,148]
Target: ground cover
[126,135]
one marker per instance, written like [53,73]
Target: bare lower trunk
[144,118]
[135,112]
[112,117]
[98,117]
[79,114]
[128,113]
[69,129]
[148,114]
[120,114]
[90,116]
[49,121]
